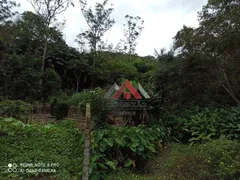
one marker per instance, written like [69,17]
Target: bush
[51,143]
[123,147]
[60,106]
[61,110]
[15,108]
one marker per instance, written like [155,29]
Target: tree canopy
[202,68]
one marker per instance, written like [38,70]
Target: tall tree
[132,30]
[210,51]
[48,10]
[99,22]
[78,65]
[20,58]
[219,29]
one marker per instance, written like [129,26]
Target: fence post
[87,144]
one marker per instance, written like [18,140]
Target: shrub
[16,109]
[60,106]
[61,110]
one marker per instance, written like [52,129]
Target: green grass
[215,160]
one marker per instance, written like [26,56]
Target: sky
[162,20]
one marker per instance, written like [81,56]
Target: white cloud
[162,20]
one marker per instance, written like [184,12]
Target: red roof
[129,86]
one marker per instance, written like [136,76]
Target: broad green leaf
[9,119]
[112,164]
[109,141]
[102,165]
[133,148]
[152,148]
[120,141]
[128,163]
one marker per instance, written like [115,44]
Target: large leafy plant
[123,147]
[209,123]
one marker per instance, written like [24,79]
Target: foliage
[52,82]
[84,97]
[10,126]
[16,109]
[61,110]
[99,22]
[47,12]
[223,158]
[218,159]
[99,105]
[59,105]
[202,124]
[51,143]
[203,67]
[36,61]
[6,10]
[123,147]
[132,30]
[79,65]
[213,46]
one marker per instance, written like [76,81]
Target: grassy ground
[212,161]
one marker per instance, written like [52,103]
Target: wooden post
[87,144]
[88,118]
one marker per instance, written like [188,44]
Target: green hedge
[52,143]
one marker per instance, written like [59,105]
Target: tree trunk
[77,88]
[78,81]
[229,88]
[94,64]
[44,56]
[43,64]
[231,93]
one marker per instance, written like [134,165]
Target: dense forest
[190,132]
[202,68]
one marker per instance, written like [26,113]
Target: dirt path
[155,167]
